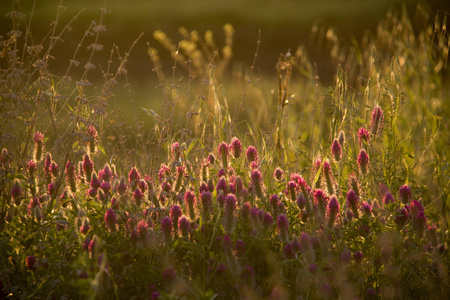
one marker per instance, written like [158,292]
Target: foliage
[220,198]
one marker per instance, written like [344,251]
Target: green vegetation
[224,182]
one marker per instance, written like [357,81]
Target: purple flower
[211,159]
[110,219]
[363,136]
[222,186]
[388,198]
[401,217]
[121,188]
[133,176]
[333,209]
[289,251]
[176,151]
[175,213]
[138,196]
[38,137]
[95,182]
[166,228]
[169,274]
[31,262]
[358,256]
[283,226]
[268,220]
[377,120]
[301,201]
[367,208]
[278,174]
[336,150]
[223,154]
[353,202]
[346,255]
[405,193]
[185,226]
[239,248]
[236,147]
[84,228]
[252,154]
[106,173]
[363,161]
[106,187]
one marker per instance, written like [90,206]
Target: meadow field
[224,150]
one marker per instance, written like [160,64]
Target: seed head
[166,228]
[16,192]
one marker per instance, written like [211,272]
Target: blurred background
[284,25]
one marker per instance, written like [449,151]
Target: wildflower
[105,174]
[363,136]
[329,178]
[222,186]
[133,177]
[289,251]
[278,174]
[106,187]
[166,228]
[223,154]
[88,166]
[273,200]
[110,219]
[401,217]
[34,209]
[353,202]
[252,154]
[292,187]
[176,151]
[268,221]
[405,193]
[301,201]
[221,173]
[363,162]
[239,248]
[54,169]
[245,210]
[95,182]
[320,199]
[190,199]
[256,177]
[333,210]
[230,208]
[283,226]
[358,256]
[415,207]
[336,150]
[138,196]
[16,192]
[316,178]
[121,188]
[236,147]
[377,120]
[420,221]
[52,189]
[367,208]
[31,166]
[70,176]
[92,138]
[211,159]
[169,274]
[84,228]
[353,184]
[92,192]
[184,225]
[346,255]
[388,198]
[31,262]
[312,268]
[206,200]
[38,147]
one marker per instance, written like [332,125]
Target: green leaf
[151,113]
